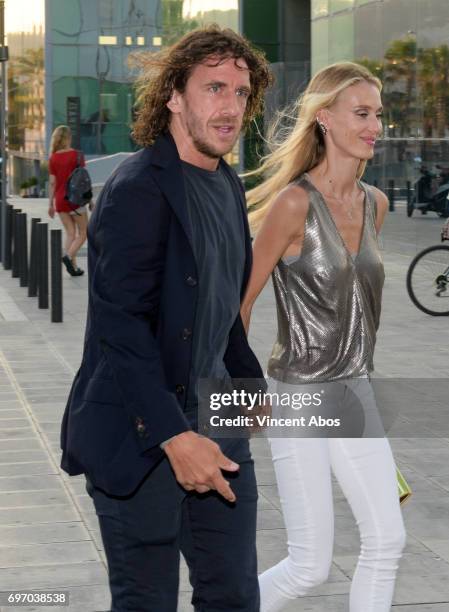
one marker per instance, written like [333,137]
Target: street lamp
[4,55]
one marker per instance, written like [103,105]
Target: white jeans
[365,470]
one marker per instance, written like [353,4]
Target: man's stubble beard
[201,144]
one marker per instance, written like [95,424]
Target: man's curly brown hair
[170,69]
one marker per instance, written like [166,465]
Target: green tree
[416,87]
[26,95]
[434,84]
[401,86]
[375,66]
[174,26]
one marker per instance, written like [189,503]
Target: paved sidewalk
[49,537]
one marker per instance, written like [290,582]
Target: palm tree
[434,82]
[401,86]
[27,73]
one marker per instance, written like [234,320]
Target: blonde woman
[317,232]
[62,162]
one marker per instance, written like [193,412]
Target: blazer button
[192,282]
[141,428]
[186,333]
[180,389]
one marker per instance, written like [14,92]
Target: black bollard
[391,194]
[32,284]
[23,249]
[15,243]
[56,275]
[42,273]
[409,191]
[8,238]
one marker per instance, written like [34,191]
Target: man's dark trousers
[144,533]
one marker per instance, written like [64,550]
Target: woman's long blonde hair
[60,138]
[301,147]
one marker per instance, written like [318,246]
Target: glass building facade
[406,44]
[69,65]
[88,45]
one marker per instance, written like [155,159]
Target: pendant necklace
[351,208]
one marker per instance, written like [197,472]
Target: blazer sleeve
[129,234]
[241,363]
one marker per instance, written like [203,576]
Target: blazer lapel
[170,179]
[165,159]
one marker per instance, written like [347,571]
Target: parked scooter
[431,192]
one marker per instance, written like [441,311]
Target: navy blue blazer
[129,393]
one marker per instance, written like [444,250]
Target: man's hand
[197,463]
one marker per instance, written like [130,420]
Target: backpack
[78,190]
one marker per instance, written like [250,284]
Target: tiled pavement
[49,536]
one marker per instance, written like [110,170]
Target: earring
[323,128]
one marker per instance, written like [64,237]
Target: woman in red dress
[62,162]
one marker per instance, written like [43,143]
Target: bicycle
[428,278]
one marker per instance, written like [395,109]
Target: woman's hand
[51,211]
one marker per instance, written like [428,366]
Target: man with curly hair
[169,260]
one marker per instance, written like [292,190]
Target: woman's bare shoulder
[292,200]
[288,211]
[382,205]
[381,198]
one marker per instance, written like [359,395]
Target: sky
[21,15]
[192,7]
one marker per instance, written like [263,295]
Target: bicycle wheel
[428,281]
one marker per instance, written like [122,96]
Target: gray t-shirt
[219,249]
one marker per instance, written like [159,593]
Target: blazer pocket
[102,391]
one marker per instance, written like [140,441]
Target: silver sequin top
[328,302]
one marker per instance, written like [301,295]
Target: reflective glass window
[400,73]
[340,5]
[341,37]
[433,22]
[73,22]
[90,43]
[320,44]
[433,67]
[368,42]
[66,61]
[399,18]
